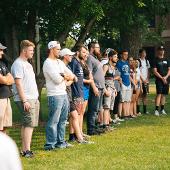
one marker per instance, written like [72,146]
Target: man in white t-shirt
[144,69]
[56,74]
[26,94]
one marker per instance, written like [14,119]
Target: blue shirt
[124,69]
[77,87]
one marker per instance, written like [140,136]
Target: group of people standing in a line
[108,89]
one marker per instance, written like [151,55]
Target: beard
[97,54]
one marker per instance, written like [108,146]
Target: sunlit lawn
[142,143]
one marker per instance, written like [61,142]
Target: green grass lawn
[142,143]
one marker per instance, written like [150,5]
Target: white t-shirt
[104,61]
[145,65]
[138,74]
[55,83]
[9,156]
[23,70]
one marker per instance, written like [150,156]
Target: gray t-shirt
[116,82]
[96,68]
[23,70]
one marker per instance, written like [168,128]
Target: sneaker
[156,113]
[86,137]
[147,113]
[120,120]
[64,145]
[163,112]
[115,122]
[28,154]
[85,142]
[109,129]
[93,133]
[139,113]
[100,130]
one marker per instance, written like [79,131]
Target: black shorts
[145,88]
[161,88]
[116,104]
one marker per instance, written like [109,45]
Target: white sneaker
[156,113]
[120,120]
[163,112]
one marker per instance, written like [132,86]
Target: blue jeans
[55,128]
[94,105]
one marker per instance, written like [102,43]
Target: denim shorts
[108,101]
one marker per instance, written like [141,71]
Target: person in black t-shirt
[161,69]
[6,80]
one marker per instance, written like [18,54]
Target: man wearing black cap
[161,69]
[6,80]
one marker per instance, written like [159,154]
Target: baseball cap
[2,47]
[160,48]
[66,51]
[53,44]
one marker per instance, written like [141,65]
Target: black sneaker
[100,130]
[93,133]
[28,154]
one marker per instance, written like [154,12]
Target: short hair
[79,47]
[141,50]
[92,44]
[112,53]
[25,44]
[124,51]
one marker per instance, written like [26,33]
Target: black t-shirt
[5,90]
[162,65]
[77,87]
[86,73]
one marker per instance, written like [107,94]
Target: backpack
[140,62]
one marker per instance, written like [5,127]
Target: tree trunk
[31,32]
[85,30]
[11,41]
[131,40]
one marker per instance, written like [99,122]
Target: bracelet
[25,101]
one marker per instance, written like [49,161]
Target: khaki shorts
[5,113]
[30,118]
[126,93]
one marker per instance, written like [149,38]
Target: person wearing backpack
[144,70]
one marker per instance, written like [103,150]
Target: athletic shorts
[161,88]
[126,93]
[30,118]
[86,90]
[5,113]
[108,101]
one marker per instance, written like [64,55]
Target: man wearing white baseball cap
[6,80]
[56,73]
[66,51]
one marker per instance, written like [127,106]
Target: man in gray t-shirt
[97,87]
[26,94]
